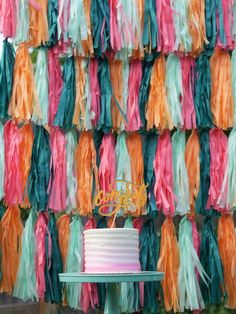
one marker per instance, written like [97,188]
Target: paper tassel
[63,20]
[149,253]
[169,264]
[192,160]
[225,9]
[63,228]
[174,89]
[25,286]
[189,290]
[183,40]
[41,232]
[86,170]
[6,77]
[0,251]
[188,110]
[196,240]
[23,92]
[2,160]
[166,34]
[203,92]
[144,90]
[181,184]
[211,262]
[149,152]
[8,18]
[88,44]
[150,27]
[233,74]
[40,169]
[219,156]
[38,23]
[164,185]
[210,22]
[94,91]
[40,113]
[205,159]
[55,84]
[227,249]
[22,31]
[125,93]
[52,13]
[89,293]
[221,89]
[157,111]
[11,247]
[115,34]
[57,184]
[104,122]
[97,138]
[71,142]
[107,167]
[53,265]
[100,17]
[134,146]
[64,115]
[75,262]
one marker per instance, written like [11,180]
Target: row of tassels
[64,170]
[108,94]
[125,27]
[198,270]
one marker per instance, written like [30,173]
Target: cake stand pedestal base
[112,299]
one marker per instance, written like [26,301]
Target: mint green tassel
[40,114]
[22,30]
[25,286]
[2,160]
[174,89]
[74,261]
[190,296]
[181,184]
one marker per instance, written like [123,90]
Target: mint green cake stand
[112,293]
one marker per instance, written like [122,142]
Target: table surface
[111,278]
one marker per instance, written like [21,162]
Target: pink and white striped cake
[114,250]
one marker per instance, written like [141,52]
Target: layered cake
[111,250]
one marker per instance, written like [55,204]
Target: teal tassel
[203,92]
[7,62]
[52,22]
[100,22]
[150,28]
[65,112]
[97,137]
[205,158]
[105,122]
[149,245]
[149,152]
[40,169]
[25,286]
[53,265]
[210,22]
[211,262]
[75,261]
[181,184]
[220,24]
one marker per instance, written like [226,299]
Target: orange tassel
[158,114]
[63,227]
[227,249]
[11,247]
[117,87]
[88,44]
[137,52]
[169,264]
[221,89]
[134,146]
[38,23]
[192,160]
[86,169]
[23,92]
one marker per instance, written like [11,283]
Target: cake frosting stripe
[111,250]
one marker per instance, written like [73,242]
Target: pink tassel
[166,30]
[227,10]
[12,175]
[163,188]
[58,180]
[41,229]
[89,293]
[218,150]
[63,20]
[94,90]
[135,77]
[107,168]
[115,36]
[188,110]
[55,84]
[8,18]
